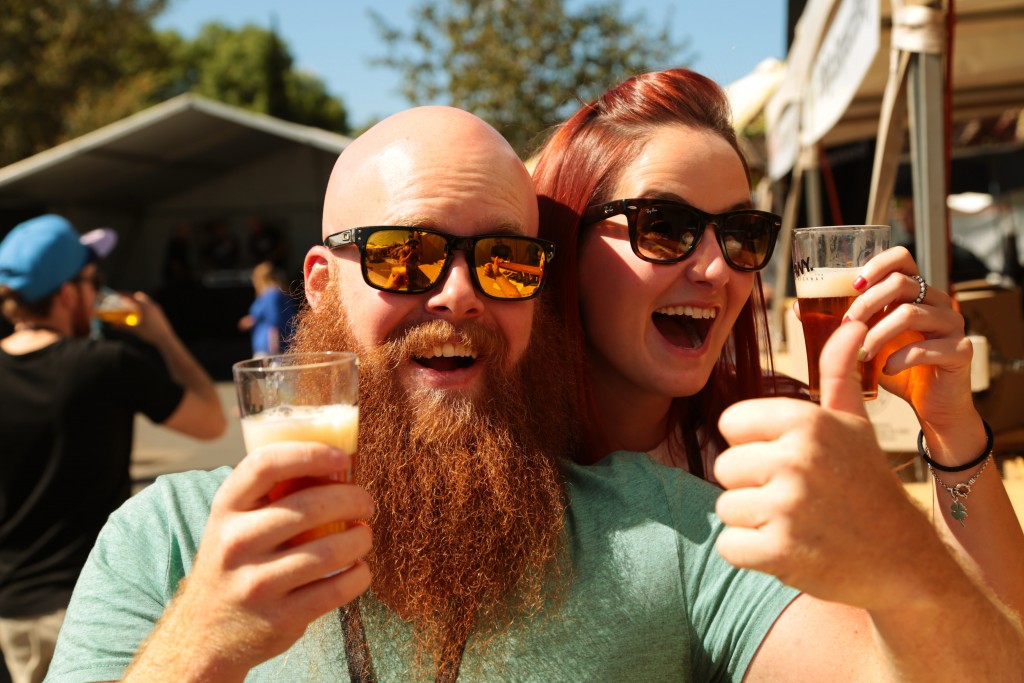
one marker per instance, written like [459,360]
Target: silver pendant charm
[959,511]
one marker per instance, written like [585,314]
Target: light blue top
[650,600]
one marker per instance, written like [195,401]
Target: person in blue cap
[67,406]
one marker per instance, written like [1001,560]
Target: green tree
[252,68]
[70,66]
[65,64]
[522,65]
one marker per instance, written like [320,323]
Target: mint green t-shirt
[650,598]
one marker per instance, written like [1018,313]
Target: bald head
[404,169]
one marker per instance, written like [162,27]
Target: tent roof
[988,64]
[748,94]
[157,152]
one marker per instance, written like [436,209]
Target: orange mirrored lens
[404,260]
[509,268]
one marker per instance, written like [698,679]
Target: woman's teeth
[690,311]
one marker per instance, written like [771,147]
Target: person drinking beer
[67,410]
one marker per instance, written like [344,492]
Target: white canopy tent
[188,159]
[862,69]
[835,92]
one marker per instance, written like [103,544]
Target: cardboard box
[995,313]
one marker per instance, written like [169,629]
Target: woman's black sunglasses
[667,231]
[413,260]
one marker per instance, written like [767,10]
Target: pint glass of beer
[301,397]
[826,261]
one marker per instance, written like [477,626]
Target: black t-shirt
[66,418]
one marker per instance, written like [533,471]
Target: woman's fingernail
[846,319]
[862,355]
[860,283]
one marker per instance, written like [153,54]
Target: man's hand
[810,497]
[250,595]
[153,325]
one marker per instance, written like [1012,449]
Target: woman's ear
[316,271]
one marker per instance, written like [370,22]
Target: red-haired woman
[647,196]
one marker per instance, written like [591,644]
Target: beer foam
[827,283]
[335,425]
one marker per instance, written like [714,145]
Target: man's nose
[456,298]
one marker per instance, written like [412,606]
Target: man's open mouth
[684,326]
[447,357]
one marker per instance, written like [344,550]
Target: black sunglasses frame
[361,236]
[630,208]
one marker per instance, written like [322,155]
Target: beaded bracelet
[922,449]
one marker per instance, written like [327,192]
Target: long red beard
[468,531]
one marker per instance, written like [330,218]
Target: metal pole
[928,167]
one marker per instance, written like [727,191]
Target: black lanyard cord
[357,652]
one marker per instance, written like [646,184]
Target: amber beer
[826,262]
[309,397]
[117,308]
[122,316]
[334,425]
[825,294]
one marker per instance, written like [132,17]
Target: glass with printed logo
[301,397]
[826,261]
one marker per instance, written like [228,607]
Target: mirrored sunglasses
[413,260]
[667,231]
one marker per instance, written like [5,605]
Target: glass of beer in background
[114,307]
[301,397]
[826,261]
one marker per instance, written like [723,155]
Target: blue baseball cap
[42,253]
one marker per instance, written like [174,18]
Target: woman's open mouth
[684,326]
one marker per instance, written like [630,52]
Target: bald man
[460,481]
[490,558]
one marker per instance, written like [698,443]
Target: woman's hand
[922,353]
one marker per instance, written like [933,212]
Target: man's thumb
[840,371]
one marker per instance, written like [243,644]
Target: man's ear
[68,295]
[316,271]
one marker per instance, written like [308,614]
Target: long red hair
[578,166]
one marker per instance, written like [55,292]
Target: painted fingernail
[862,355]
[860,283]
[846,319]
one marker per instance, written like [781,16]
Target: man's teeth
[691,311]
[450,350]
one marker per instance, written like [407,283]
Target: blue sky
[335,39]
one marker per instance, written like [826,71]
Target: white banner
[783,111]
[845,55]
[783,140]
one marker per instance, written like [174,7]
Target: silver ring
[924,288]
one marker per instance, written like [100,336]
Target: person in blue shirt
[271,314]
